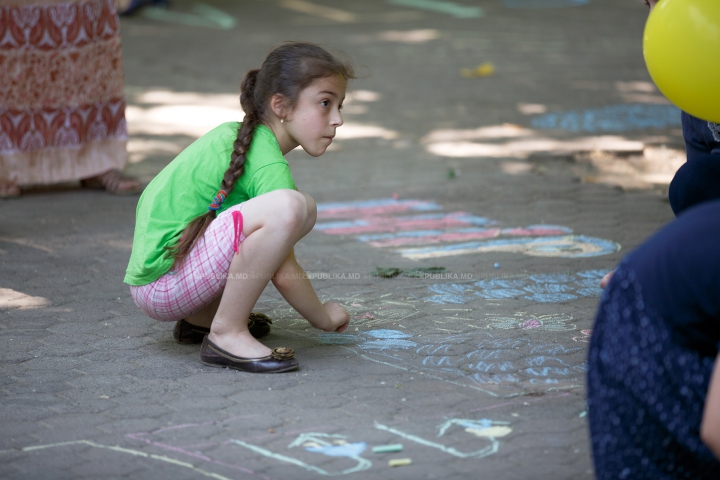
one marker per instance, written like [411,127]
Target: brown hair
[286,71]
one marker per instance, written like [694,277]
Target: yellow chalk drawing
[484,70]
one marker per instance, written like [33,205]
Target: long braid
[245,132]
[196,228]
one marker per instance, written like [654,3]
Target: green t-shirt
[183,190]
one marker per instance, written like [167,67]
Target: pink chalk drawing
[585,337]
[419,229]
[532,323]
[373,208]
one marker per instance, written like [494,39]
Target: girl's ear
[277,105]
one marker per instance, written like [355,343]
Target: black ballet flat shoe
[281,359]
[259,324]
[189,334]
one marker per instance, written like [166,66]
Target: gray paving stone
[103,371]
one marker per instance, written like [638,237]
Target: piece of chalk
[497,265]
[395,447]
[400,462]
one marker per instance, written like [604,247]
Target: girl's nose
[337,119]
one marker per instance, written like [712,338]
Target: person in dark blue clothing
[698,180]
[653,386]
[653,410]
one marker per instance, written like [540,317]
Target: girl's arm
[710,425]
[293,284]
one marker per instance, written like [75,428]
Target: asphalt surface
[525,185]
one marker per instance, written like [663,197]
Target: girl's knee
[311,211]
[291,209]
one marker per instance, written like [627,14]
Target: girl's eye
[325,103]
[340,107]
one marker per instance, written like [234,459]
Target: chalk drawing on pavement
[526,321]
[441,6]
[584,336]
[477,359]
[486,360]
[330,445]
[419,229]
[543,288]
[568,246]
[373,207]
[611,118]
[202,16]
[544,3]
[364,312]
[483,433]
[482,428]
[129,451]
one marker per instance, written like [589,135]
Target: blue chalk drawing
[449,8]
[203,16]
[449,293]
[476,360]
[347,450]
[489,362]
[614,118]
[380,339]
[479,357]
[330,445]
[566,246]
[419,233]
[483,428]
[549,293]
[544,3]
[384,339]
[545,288]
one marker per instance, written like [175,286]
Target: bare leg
[272,224]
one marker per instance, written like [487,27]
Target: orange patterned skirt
[62,104]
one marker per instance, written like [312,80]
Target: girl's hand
[339,318]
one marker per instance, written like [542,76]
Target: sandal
[8,189]
[114,182]
[281,359]
[187,333]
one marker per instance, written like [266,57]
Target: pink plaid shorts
[200,278]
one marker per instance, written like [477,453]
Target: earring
[282,120]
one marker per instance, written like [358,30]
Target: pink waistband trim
[238,223]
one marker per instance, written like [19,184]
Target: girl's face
[315,117]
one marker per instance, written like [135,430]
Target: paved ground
[509,182]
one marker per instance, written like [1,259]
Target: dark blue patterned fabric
[652,352]
[698,180]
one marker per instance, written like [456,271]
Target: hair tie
[218,200]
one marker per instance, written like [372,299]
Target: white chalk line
[120,449]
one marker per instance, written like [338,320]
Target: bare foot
[606,279]
[240,344]
[8,189]
[115,182]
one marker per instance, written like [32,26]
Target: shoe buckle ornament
[282,353]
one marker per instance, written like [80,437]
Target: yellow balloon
[681,45]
